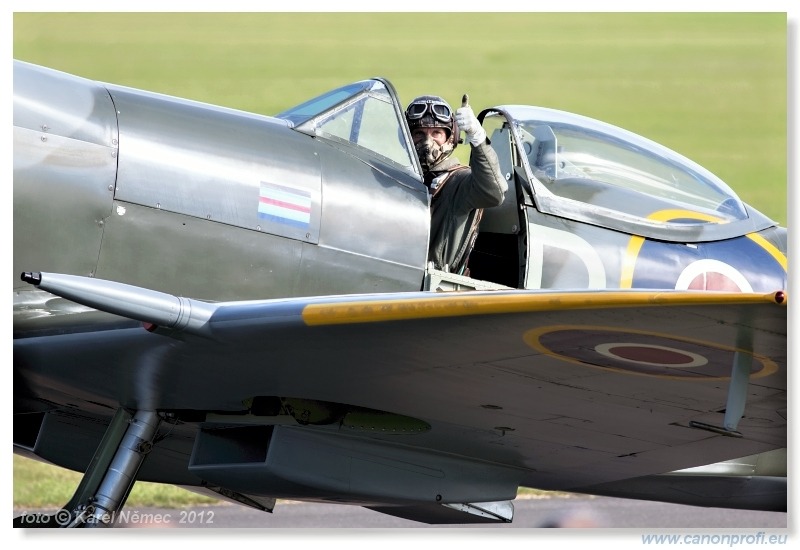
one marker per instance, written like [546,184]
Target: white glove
[468,122]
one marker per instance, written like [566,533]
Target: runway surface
[592,512]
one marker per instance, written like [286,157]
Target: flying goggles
[438,109]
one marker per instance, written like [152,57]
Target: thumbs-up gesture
[468,122]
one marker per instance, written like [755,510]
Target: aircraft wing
[416,398]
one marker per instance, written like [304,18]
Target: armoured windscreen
[363,114]
[318,105]
[370,122]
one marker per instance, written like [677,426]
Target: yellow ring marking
[533,336]
[629,261]
[779,256]
[636,242]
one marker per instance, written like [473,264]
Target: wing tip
[34,278]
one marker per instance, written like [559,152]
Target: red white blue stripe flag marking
[283,204]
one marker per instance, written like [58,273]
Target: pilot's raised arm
[458,193]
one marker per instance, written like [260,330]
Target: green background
[711,86]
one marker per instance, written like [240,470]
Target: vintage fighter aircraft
[240,304]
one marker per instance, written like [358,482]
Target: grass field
[711,86]
[38,485]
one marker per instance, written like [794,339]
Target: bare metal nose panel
[65,162]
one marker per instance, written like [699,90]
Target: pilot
[458,193]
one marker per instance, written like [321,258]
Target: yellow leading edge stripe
[498,302]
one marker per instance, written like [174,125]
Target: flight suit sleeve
[485,185]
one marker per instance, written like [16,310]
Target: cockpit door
[500,254]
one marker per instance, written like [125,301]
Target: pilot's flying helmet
[430,111]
